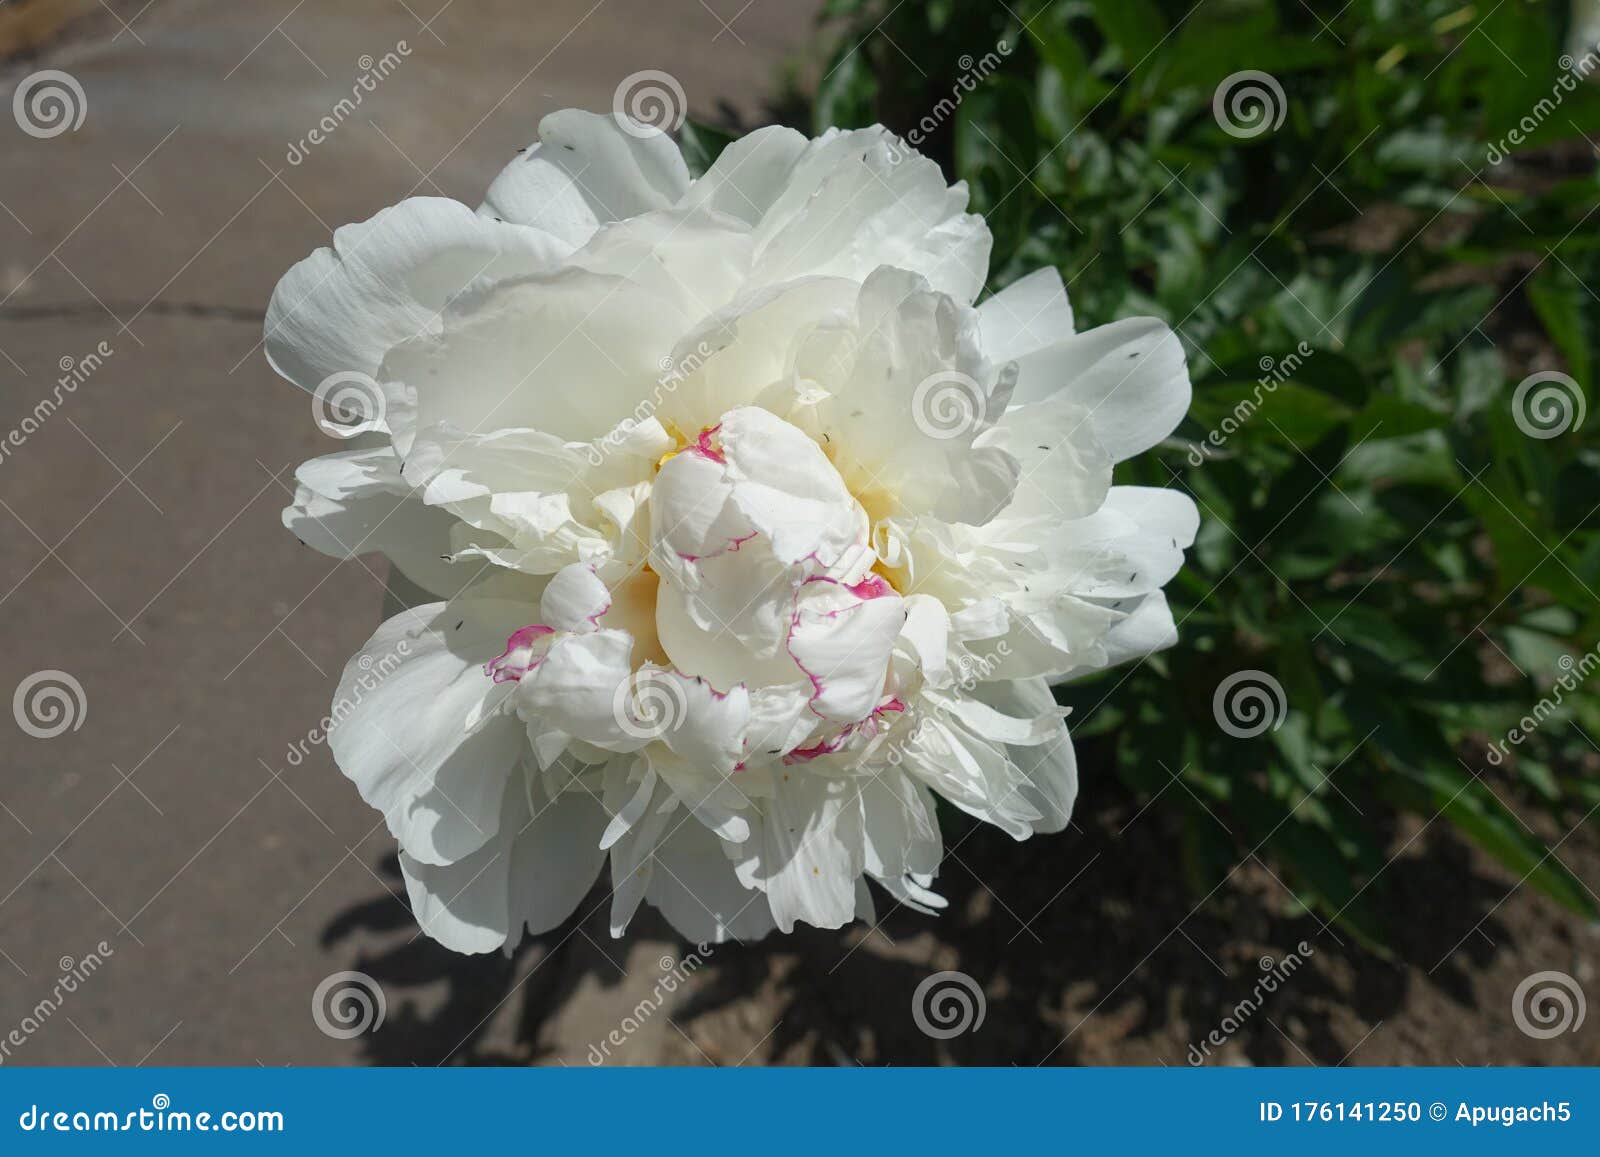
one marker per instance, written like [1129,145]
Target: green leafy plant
[1360,292]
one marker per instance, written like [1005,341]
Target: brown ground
[140,551]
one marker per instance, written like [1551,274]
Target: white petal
[911,397]
[586,170]
[785,485]
[1065,472]
[575,599]
[745,648]
[1132,545]
[354,502]
[900,826]
[633,856]
[811,852]
[1025,316]
[532,874]
[578,688]
[692,514]
[555,860]
[842,638]
[1146,628]
[419,730]
[973,773]
[683,253]
[387,279]
[569,353]
[858,200]
[1130,376]
[750,174]
[1051,767]
[709,730]
[696,889]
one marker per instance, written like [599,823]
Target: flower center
[705,445]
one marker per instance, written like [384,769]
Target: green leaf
[1134,26]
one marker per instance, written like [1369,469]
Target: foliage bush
[1379,536]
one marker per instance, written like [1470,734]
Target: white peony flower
[752,533]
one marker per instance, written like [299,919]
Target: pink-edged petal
[575,599]
[421,731]
[842,636]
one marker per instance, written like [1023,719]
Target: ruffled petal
[1129,376]
[811,851]
[584,171]
[419,727]
[841,637]
[355,502]
[387,279]
[1027,315]
[695,887]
